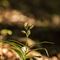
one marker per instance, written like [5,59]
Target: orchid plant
[21,49]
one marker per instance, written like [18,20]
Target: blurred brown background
[43,14]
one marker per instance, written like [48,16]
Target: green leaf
[23,32]
[31,26]
[5,32]
[9,32]
[28,33]
[25,25]
[17,48]
[42,49]
[47,42]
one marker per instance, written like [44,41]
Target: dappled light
[30,30]
[18,18]
[7,54]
